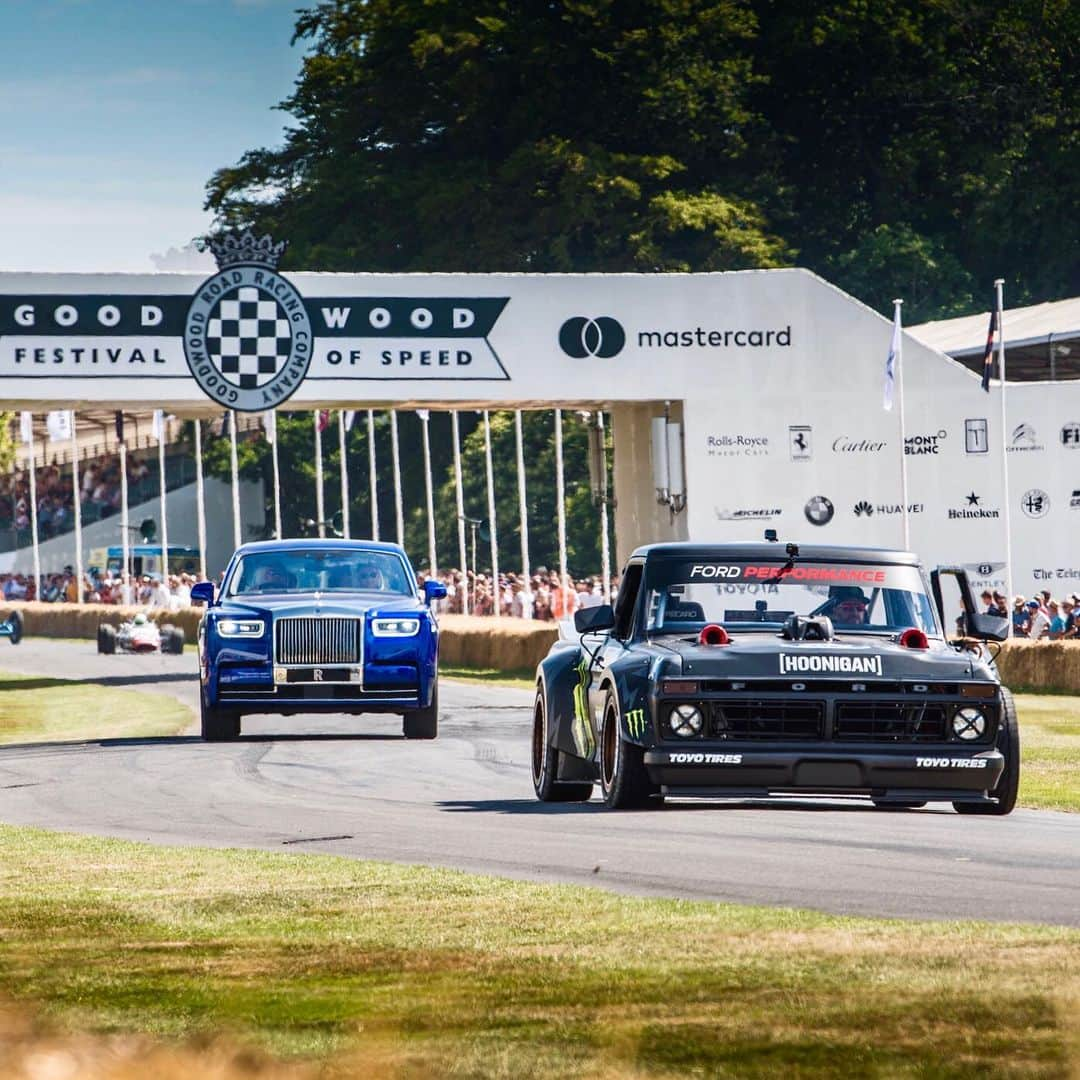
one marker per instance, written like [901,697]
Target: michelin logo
[842,665]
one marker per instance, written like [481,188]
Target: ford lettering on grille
[318,641]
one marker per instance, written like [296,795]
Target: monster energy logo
[635,722]
[583,734]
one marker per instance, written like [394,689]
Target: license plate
[315,675]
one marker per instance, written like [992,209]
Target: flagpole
[999,284]
[399,510]
[271,429]
[605,543]
[523,506]
[373,476]
[560,507]
[200,499]
[897,305]
[320,509]
[159,422]
[234,465]
[344,475]
[459,496]
[127,591]
[425,420]
[33,514]
[76,488]
[496,590]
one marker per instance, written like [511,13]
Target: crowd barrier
[466,640]
[516,645]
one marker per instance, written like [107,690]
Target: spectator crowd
[147,590]
[540,596]
[1042,618]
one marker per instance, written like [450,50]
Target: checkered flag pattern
[248,338]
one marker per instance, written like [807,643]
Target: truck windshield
[684,595]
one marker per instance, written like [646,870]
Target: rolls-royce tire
[218,725]
[423,723]
[545,762]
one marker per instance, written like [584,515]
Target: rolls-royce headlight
[969,723]
[241,627]
[686,721]
[395,627]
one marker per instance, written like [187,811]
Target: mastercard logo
[581,337]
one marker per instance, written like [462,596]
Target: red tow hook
[914,639]
[713,634]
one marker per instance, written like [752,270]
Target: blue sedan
[308,626]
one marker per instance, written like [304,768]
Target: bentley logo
[247,335]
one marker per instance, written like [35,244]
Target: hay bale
[82,620]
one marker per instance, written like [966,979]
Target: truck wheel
[624,782]
[107,639]
[15,620]
[423,723]
[1008,742]
[545,762]
[218,725]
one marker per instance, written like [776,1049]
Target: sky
[115,113]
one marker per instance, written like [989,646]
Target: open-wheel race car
[140,635]
[760,669]
[12,627]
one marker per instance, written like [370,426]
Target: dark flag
[119,426]
[988,354]
[226,424]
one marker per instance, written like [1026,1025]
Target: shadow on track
[189,740]
[534,806]
[41,682]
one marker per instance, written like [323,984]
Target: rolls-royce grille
[889,722]
[766,719]
[318,641]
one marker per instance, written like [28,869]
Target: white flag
[350,416]
[890,363]
[270,425]
[423,414]
[58,425]
[157,426]
[26,427]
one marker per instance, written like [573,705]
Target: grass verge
[520,678]
[1050,751]
[418,971]
[38,709]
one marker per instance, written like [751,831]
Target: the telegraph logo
[602,337]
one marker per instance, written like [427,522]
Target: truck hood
[766,655]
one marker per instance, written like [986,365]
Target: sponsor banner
[919,445]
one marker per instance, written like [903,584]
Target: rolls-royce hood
[343,604]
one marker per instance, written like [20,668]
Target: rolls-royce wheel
[218,725]
[423,723]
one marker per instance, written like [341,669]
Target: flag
[58,425]
[988,353]
[270,426]
[157,426]
[119,420]
[891,361]
[26,427]
[424,414]
[323,419]
[350,416]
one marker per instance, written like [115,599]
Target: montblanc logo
[833,665]
[602,337]
[973,509]
[924,444]
[247,335]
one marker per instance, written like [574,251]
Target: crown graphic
[231,249]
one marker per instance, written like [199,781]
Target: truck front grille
[764,719]
[324,640]
[881,721]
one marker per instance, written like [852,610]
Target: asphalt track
[354,787]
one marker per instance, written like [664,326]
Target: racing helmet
[139,620]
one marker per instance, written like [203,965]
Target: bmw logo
[819,510]
[603,337]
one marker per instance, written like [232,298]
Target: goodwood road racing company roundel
[819,510]
[247,338]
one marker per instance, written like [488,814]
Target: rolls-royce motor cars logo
[819,510]
[1035,503]
[247,335]
[602,337]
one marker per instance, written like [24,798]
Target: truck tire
[624,782]
[423,723]
[218,725]
[545,762]
[1008,742]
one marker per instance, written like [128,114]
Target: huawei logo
[863,507]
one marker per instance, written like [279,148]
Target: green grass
[522,678]
[1050,751]
[38,709]
[433,972]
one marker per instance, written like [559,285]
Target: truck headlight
[241,627]
[686,721]
[395,627]
[969,723]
